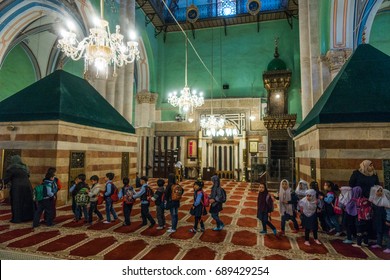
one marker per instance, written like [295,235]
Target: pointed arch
[19,14]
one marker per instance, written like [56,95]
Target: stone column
[146,108]
[110,90]
[117,99]
[306,96]
[314,51]
[129,69]
[100,86]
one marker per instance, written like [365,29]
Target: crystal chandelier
[212,124]
[101,48]
[188,100]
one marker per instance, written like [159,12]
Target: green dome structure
[276,64]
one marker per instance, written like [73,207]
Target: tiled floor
[240,238]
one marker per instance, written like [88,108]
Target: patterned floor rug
[240,239]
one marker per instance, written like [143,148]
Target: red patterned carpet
[240,238]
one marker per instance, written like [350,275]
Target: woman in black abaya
[21,195]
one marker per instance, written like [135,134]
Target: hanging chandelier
[212,125]
[101,48]
[188,100]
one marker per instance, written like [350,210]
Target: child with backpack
[56,186]
[172,205]
[126,194]
[331,219]
[308,208]
[351,213]
[320,206]
[380,199]
[288,202]
[158,199]
[265,206]
[364,214]
[144,194]
[93,201]
[198,208]
[217,198]
[44,197]
[81,198]
[79,183]
[108,192]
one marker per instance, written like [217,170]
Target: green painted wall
[244,55]
[16,73]
[378,38]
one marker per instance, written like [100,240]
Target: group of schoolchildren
[336,209]
[85,200]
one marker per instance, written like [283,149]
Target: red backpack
[364,209]
[114,193]
[205,200]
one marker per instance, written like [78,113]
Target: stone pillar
[314,51]
[110,90]
[336,59]
[100,86]
[129,69]
[243,157]
[306,96]
[146,108]
[117,100]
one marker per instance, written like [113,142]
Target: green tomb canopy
[359,93]
[63,96]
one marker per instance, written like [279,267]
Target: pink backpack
[364,209]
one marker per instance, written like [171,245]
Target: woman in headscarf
[287,205]
[308,207]
[351,214]
[365,177]
[21,193]
[380,199]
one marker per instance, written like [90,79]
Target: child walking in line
[126,194]
[264,208]
[143,195]
[216,198]
[351,213]
[79,187]
[198,208]
[330,198]
[362,220]
[308,207]
[320,206]
[158,199]
[301,189]
[288,201]
[94,194]
[380,199]
[109,190]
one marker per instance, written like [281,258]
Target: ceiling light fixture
[101,48]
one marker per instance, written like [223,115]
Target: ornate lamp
[188,100]
[101,48]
